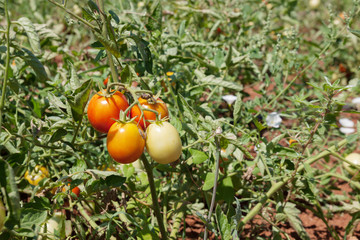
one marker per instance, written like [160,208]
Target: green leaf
[87,15]
[11,194]
[114,16]
[235,219]
[108,44]
[242,148]
[2,10]
[155,20]
[292,214]
[39,203]
[93,6]
[125,74]
[198,156]
[219,58]
[58,135]
[222,223]
[144,52]
[217,81]
[31,217]
[350,226]
[79,166]
[209,181]
[114,181]
[228,57]
[56,102]
[225,190]
[81,98]
[237,108]
[33,36]
[74,79]
[181,30]
[104,174]
[34,63]
[189,111]
[355,32]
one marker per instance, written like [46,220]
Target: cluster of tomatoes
[130,128]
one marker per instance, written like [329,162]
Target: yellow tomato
[38,174]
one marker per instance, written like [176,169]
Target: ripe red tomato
[125,142]
[159,106]
[103,110]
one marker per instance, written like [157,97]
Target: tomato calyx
[107,92]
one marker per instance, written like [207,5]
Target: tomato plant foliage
[218,71]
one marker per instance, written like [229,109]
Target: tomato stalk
[7,62]
[154,196]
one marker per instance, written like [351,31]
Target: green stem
[154,197]
[73,15]
[255,210]
[217,156]
[7,63]
[114,72]
[355,183]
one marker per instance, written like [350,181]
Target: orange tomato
[102,111]
[159,106]
[75,190]
[125,142]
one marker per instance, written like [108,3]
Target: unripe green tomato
[2,215]
[355,159]
[163,142]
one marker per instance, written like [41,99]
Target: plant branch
[7,62]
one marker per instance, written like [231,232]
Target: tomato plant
[35,176]
[149,116]
[104,109]
[163,142]
[125,142]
